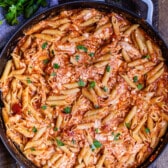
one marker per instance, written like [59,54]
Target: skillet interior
[5,55]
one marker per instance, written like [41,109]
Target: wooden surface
[6,161]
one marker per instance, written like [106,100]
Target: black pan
[102,6]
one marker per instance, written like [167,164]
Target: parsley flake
[77,57]
[97,144]
[44,107]
[59,142]
[135,79]
[81,47]
[116,136]
[56,66]
[97,130]
[73,141]
[55,129]
[105,88]
[53,74]
[67,110]
[139,86]
[108,68]
[92,84]
[146,56]
[34,129]
[128,125]
[45,61]
[91,54]
[28,80]
[44,45]
[32,149]
[81,83]
[147,130]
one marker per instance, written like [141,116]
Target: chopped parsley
[147,130]
[34,129]
[44,107]
[81,83]
[92,84]
[73,141]
[139,86]
[96,106]
[28,80]
[97,130]
[56,66]
[32,149]
[91,54]
[146,56]
[59,142]
[53,74]
[52,52]
[67,110]
[116,136]
[108,68]
[128,125]
[45,61]
[105,88]
[81,47]
[44,45]
[135,79]
[77,57]
[97,144]
[55,129]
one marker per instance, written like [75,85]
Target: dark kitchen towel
[137,6]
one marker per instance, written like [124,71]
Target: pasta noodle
[85,89]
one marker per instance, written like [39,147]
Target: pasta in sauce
[85,89]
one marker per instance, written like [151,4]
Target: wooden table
[6,161]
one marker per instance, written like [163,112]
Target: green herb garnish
[81,83]
[28,80]
[34,129]
[44,45]
[45,61]
[146,56]
[116,136]
[97,144]
[135,79]
[92,84]
[44,107]
[67,110]
[77,57]
[59,142]
[55,129]
[105,88]
[139,86]
[91,54]
[108,68]
[53,74]
[32,149]
[56,66]
[52,51]
[73,141]
[147,130]
[97,130]
[81,47]
[128,125]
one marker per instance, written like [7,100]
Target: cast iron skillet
[5,56]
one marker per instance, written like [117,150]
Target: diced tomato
[16,108]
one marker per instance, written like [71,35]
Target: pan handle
[150,11]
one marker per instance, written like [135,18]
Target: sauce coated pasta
[85,89]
